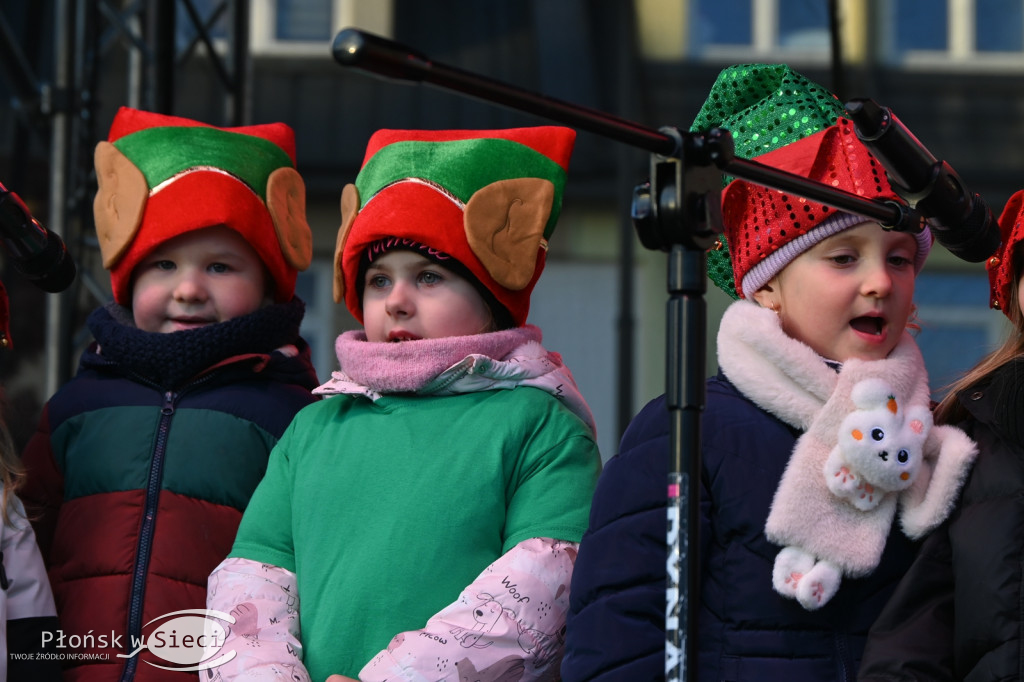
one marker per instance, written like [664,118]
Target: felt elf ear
[349,209]
[286,201]
[505,224]
[119,202]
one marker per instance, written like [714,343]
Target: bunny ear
[349,209]
[873,392]
[120,202]
[505,223]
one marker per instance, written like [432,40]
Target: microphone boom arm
[386,58]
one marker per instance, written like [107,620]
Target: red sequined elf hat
[764,107]
[162,176]
[1000,265]
[490,199]
[768,228]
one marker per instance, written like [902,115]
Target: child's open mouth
[868,325]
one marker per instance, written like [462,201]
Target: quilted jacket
[141,468]
[745,630]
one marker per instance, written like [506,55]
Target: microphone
[35,253]
[960,220]
[380,56]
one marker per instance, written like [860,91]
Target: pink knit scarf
[408,365]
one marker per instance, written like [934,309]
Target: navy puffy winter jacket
[745,630]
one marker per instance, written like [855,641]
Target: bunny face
[880,446]
[884,448]
[880,441]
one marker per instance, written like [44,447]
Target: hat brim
[422,214]
[197,200]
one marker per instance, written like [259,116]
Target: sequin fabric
[764,107]
[760,220]
[1000,266]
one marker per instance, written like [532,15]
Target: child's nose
[398,302]
[878,281]
[189,288]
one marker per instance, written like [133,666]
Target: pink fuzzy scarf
[409,365]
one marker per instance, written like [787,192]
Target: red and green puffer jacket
[141,468]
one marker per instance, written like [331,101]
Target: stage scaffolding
[143,44]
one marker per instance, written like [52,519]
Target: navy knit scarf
[171,359]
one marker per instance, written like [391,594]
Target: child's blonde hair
[12,472]
[950,411]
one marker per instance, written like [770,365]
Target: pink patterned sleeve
[510,621]
[264,638]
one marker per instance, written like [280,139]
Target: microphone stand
[678,210]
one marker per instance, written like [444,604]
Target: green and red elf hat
[488,198]
[162,176]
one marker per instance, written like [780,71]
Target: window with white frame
[303,20]
[972,32]
[915,33]
[302,27]
[284,27]
[740,28]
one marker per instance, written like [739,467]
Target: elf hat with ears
[768,228]
[764,107]
[1000,265]
[162,176]
[488,198]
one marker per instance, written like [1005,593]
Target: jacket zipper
[845,671]
[145,543]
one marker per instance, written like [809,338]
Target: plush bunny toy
[881,446]
[870,454]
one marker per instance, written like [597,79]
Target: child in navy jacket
[796,557]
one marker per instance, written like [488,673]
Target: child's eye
[900,261]
[163,264]
[219,267]
[430,277]
[376,281]
[842,259]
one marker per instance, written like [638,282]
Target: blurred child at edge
[143,463]
[422,523]
[26,602]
